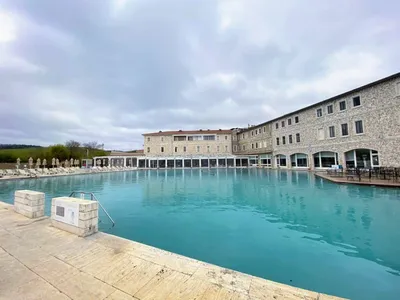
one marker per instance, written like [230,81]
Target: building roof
[326,100]
[133,153]
[182,132]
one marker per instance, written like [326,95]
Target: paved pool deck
[364,181]
[39,261]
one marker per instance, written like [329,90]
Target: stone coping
[373,182]
[39,261]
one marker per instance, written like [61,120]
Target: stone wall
[254,140]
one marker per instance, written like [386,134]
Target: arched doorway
[325,159]
[281,161]
[299,160]
[361,158]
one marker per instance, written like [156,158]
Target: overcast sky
[110,70]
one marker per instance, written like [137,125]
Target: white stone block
[75,215]
[29,203]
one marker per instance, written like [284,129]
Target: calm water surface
[288,227]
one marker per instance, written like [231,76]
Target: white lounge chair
[23,173]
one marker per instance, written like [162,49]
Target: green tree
[59,151]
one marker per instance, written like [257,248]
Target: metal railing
[93,198]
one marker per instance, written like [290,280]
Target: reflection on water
[286,226]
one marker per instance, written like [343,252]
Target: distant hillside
[17,146]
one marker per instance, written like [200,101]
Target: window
[256,145]
[359,127]
[252,146]
[277,141]
[162,149]
[289,122]
[217,137]
[184,148]
[209,137]
[321,134]
[198,148]
[398,89]
[243,135]
[179,138]
[319,112]
[265,129]
[176,149]
[243,147]
[234,148]
[162,139]
[356,101]
[148,149]
[276,125]
[208,148]
[332,131]
[330,109]
[217,148]
[148,139]
[265,144]
[297,137]
[283,123]
[342,105]
[283,140]
[290,139]
[195,138]
[296,119]
[259,130]
[252,133]
[345,130]
[226,138]
[226,148]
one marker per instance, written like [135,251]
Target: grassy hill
[11,155]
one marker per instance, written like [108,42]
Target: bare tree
[91,145]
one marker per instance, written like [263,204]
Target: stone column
[75,215]
[29,203]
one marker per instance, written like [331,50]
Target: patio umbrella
[18,162]
[53,162]
[44,163]
[66,163]
[38,162]
[71,162]
[57,162]
[30,162]
[77,162]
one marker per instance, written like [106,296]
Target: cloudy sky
[110,70]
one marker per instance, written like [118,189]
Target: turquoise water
[285,226]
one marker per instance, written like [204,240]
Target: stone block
[29,203]
[75,215]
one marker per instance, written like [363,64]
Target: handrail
[93,197]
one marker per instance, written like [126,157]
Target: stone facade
[188,143]
[358,128]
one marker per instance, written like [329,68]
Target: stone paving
[39,261]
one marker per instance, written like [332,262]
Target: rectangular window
[256,145]
[209,137]
[208,148]
[198,148]
[297,137]
[277,125]
[217,148]
[148,149]
[252,133]
[234,148]
[217,137]
[277,141]
[290,139]
[162,149]
[184,148]
[359,127]
[243,135]
[289,122]
[148,139]
[296,119]
[195,138]
[332,131]
[162,139]
[345,130]
[283,123]
[252,146]
[179,138]
[226,148]
[176,149]
[321,134]
[398,88]
[330,109]
[244,147]
[283,140]
[356,101]
[342,105]
[259,130]
[265,129]
[226,138]
[319,112]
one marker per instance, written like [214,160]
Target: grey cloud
[81,69]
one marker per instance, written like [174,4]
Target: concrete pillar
[29,203]
[75,215]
